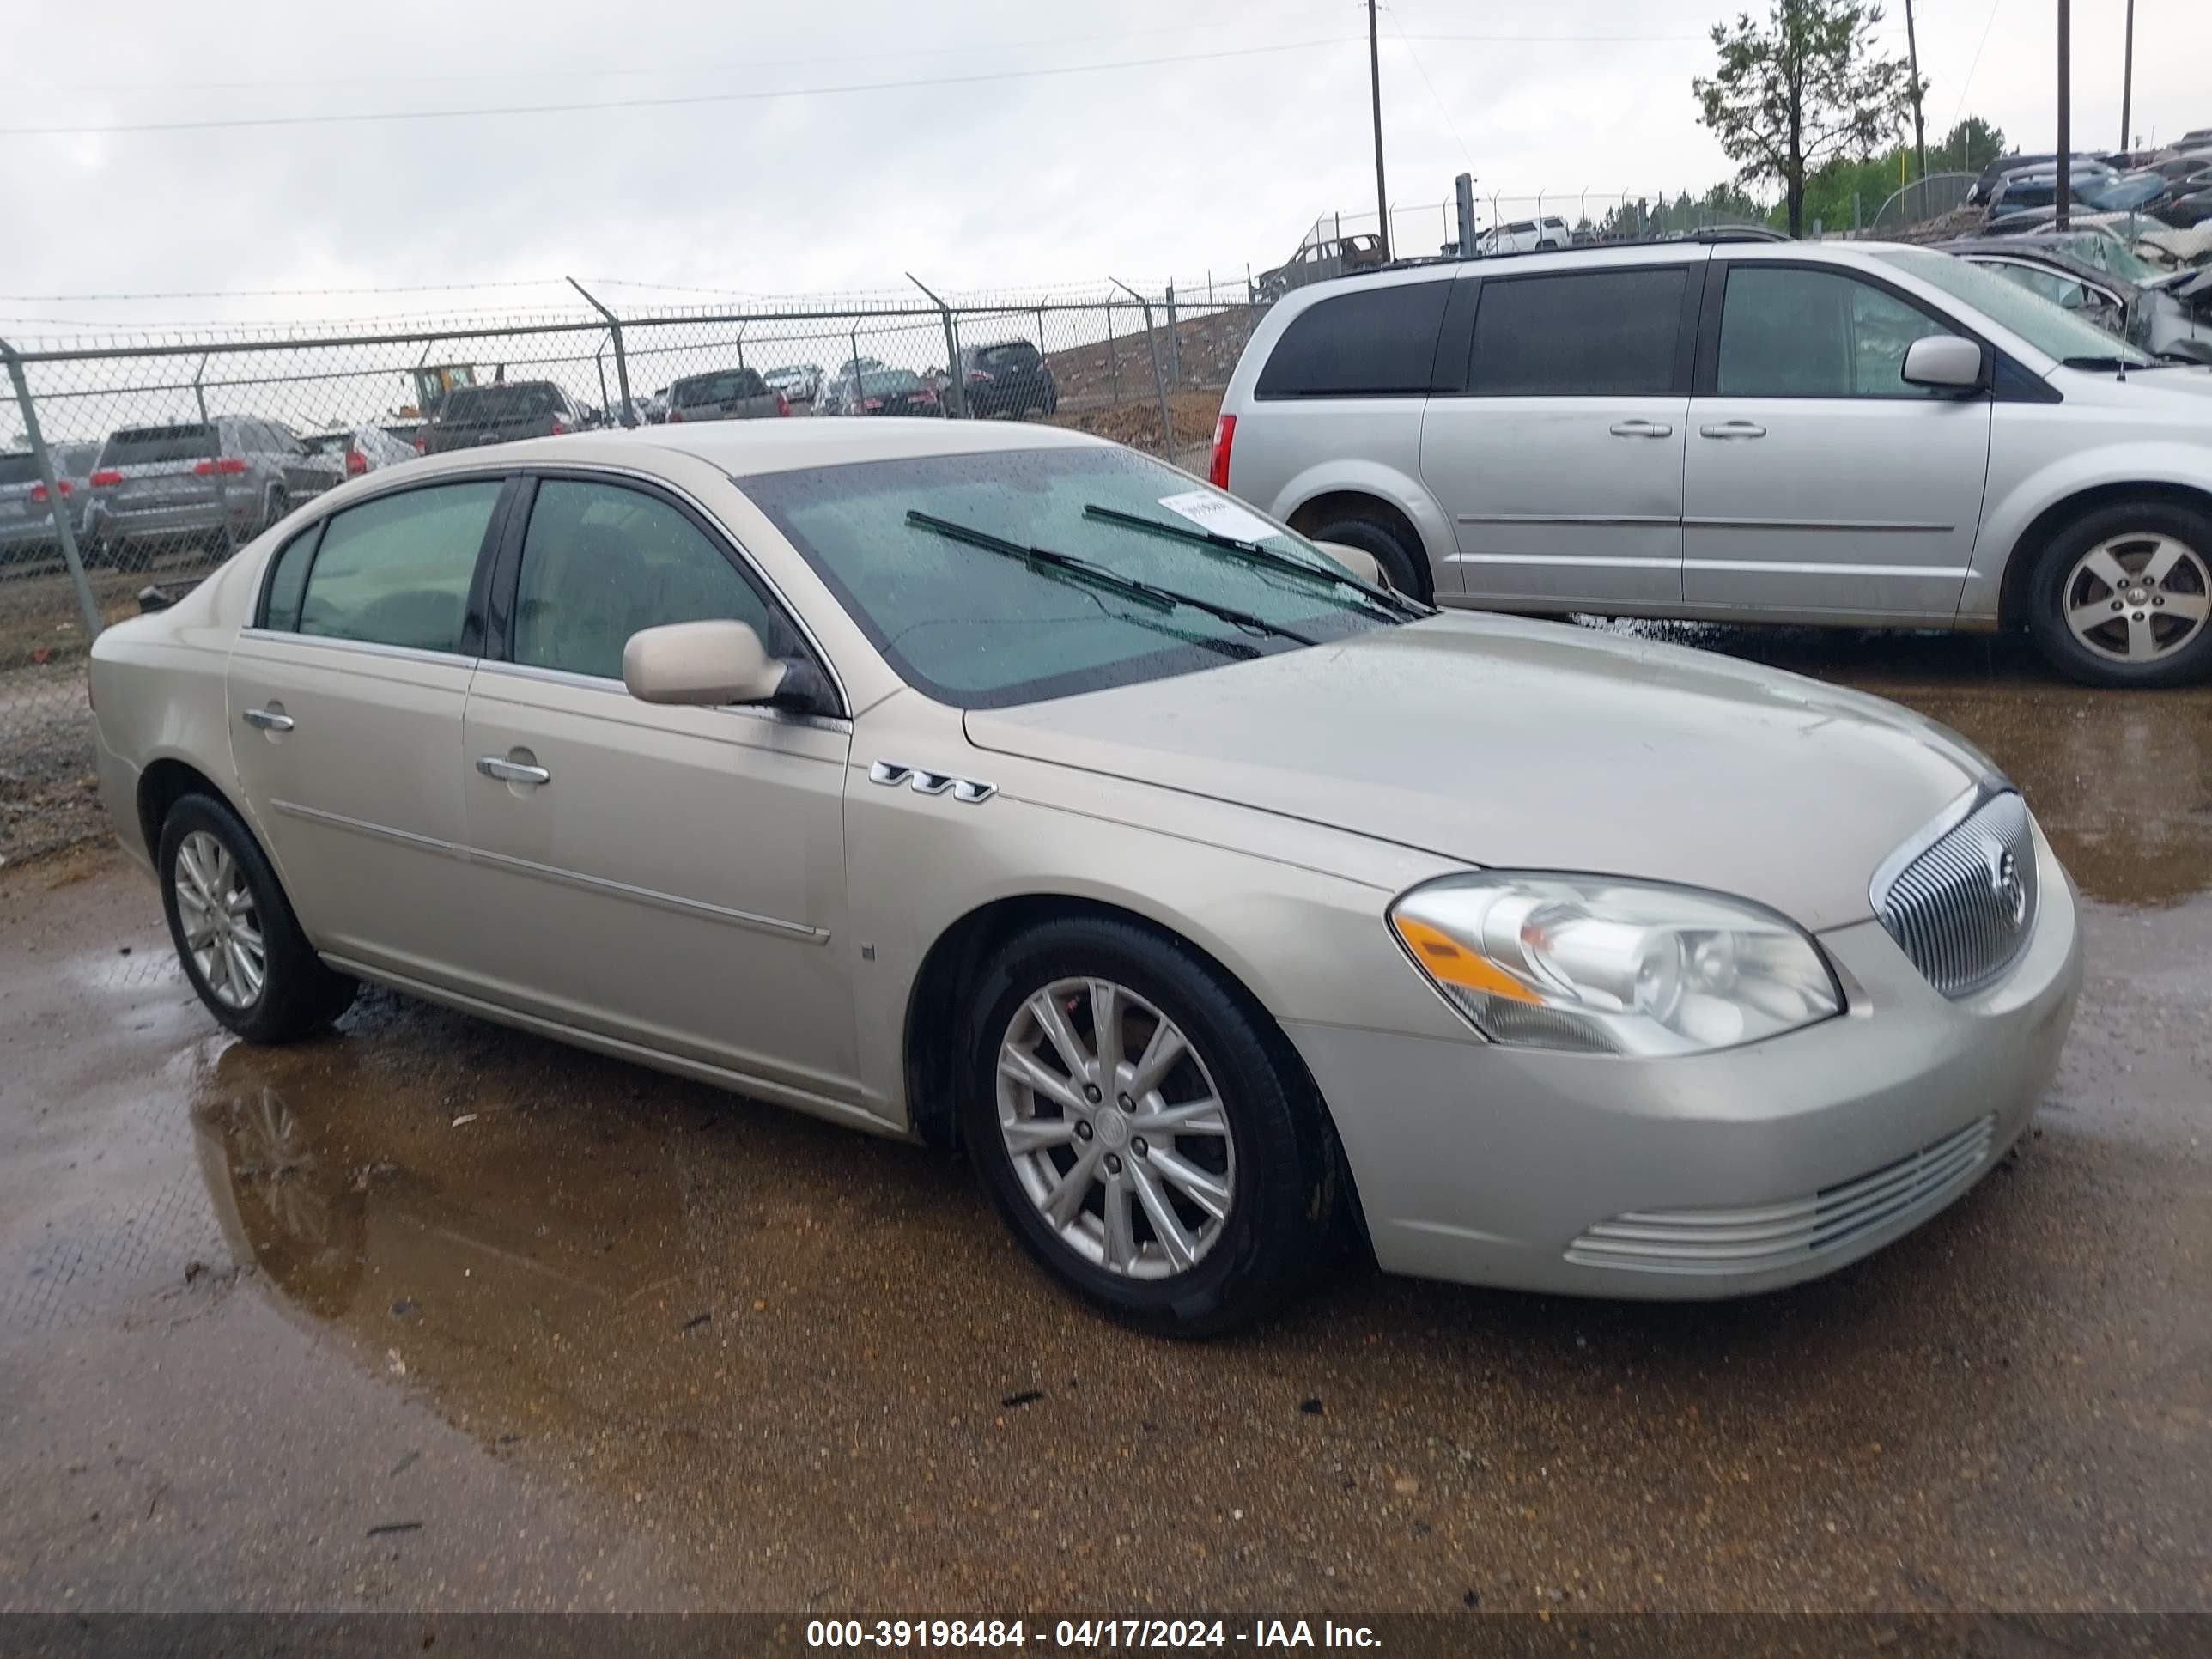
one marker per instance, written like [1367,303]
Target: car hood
[1525,745]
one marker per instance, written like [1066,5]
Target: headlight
[1604,966]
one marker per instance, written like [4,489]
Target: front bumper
[1711,1175]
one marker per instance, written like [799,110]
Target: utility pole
[1374,86]
[2128,79]
[2065,200]
[1913,67]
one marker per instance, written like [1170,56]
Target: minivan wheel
[234,932]
[1388,550]
[2123,597]
[1137,1125]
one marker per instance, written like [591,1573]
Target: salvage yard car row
[1213,873]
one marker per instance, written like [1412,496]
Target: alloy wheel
[1114,1128]
[221,925]
[2137,598]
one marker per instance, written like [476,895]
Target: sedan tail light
[977,377]
[39,492]
[782,404]
[228,466]
[106,478]
[422,445]
[873,404]
[925,396]
[1225,434]
[675,417]
[560,427]
[356,464]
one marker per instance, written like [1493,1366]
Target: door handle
[1733,429]
[1641,429]
[268,719]
[507,771]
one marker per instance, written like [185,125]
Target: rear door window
[1579,334]
[1372,342]
[397,570]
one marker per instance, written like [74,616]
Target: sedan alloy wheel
[220,921]
[1114,1128]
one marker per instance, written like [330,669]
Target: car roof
[740,448]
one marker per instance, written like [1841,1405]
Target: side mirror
[706,663]
[1943,363]
[1362,564]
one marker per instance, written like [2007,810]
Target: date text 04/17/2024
[1085,1634]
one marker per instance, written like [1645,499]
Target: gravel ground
[429,1315]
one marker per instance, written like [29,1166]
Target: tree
[1971,146]
[1803,87]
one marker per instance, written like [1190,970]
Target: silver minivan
[1863,436]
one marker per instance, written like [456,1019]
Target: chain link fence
[130,467]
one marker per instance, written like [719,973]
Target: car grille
[1748,1241]
[1963,908]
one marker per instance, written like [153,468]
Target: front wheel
[235,930]
[1386,546]
[1144,1130]
[2123,597]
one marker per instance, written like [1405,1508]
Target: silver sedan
[1003,788]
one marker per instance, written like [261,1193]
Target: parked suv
[1524,236]
[727,394]
[1010,378]
[1861,435]
[473,415]
[28,511]
[155,487]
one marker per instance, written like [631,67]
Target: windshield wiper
[2114,365]
[1253,553]
[1067,566]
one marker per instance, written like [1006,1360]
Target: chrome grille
[1752,1240]
[1963,906]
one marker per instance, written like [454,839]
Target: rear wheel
[2123,597]
[1407,567]
[1138,1126]
[234,932]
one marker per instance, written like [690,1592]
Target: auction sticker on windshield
[1220,514]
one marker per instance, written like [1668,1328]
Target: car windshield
[146,445]
[2109,254]
[2050,328]
[979,630]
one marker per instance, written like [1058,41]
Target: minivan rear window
[146,445]
[1019,354]
[726,388]
[1372,343]
[1578,334]
[18,469]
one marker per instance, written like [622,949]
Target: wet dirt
[651,1344]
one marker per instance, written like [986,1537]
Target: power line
[750,95]
[748,66]
[1964,86]
[766,93]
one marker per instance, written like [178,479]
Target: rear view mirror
[1943,363]
[706,663]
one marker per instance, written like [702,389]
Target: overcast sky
[1146,170]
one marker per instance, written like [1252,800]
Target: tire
[2155,589]
[297,994]
[1268,1148]
[1407,568]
